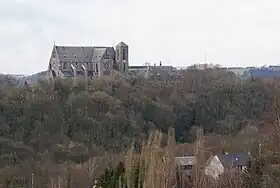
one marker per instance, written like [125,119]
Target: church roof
[82,53]
[74,53]
[98,53]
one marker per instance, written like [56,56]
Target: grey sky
[177,32]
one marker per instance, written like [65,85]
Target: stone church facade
[88,61]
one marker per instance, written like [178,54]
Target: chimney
[160,63]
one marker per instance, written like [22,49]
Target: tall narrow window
[118,55]
[64,66]
[123,55]
[96,67]
[123,67]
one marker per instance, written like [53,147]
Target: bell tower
[122,58]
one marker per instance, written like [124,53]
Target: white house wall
[214,168]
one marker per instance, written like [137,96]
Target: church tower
[122,57]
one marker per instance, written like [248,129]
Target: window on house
[124,55]
[64,66]
[123,67]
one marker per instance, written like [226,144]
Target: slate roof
[71,53]
[82,53]
[232,161]
[98,53]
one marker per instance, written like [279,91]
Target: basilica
[88,61]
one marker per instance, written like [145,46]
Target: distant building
[265,72]
[74,61]
[155,71]
[96,61]
[219,164]
[186,163]
[261,72]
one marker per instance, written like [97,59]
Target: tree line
[73,120]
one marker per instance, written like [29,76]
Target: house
[186,164]
[88,61]
[218,164]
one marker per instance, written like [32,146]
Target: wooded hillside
[67,120]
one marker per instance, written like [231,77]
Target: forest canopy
[77,119]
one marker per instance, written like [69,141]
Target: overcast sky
[177,32]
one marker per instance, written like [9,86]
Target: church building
[88,61]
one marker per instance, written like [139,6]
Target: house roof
[231,161]
[187,160]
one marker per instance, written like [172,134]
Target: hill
[74,122]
